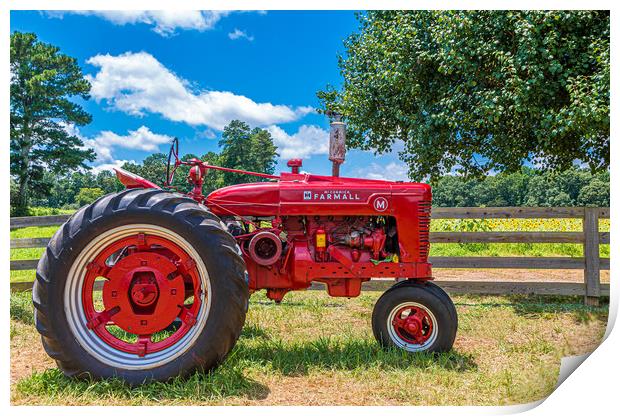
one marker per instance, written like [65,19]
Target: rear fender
[131,180]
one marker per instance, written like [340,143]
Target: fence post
[592,269]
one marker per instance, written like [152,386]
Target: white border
[593,386]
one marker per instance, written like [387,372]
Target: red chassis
[299,228]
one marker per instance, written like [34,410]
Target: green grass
[313,349]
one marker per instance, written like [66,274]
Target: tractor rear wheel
[142,285]
[415,317]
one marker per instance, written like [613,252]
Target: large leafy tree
[43,81]
[476,91]
[248,149]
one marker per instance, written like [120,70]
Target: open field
[317,350]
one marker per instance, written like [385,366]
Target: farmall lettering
[332,195]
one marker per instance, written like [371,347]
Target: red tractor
[148,283]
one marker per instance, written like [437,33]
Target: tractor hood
[307,194]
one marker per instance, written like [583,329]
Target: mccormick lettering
[331,195]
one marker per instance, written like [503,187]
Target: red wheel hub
[413,324]
[147,298]
[144,292]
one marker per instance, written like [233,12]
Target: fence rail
[590,237]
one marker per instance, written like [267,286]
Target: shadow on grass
[253,331]
[229,379]
[325,354]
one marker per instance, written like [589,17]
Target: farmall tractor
[148,283]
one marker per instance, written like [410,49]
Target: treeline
[530,187]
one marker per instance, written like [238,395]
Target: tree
[453,191]
[43,81]
[214,178]
[594,194]
[88,196]
[478,91]
[248,149]
[108,182]
[66,188]
[155,170]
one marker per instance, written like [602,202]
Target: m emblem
[380,204]
[307,195]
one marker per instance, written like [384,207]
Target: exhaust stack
[337,142]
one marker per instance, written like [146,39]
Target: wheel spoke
[100,269]
[144,341]
[187,317]
[398,322]
[102,318]
[142,245]
[186,266]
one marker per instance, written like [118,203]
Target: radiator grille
[424,220]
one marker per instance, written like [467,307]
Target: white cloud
[164,22]
[393,171]
[109,166]
[240,34]
[104,143]
[308,141]
[142,139]
[137,83]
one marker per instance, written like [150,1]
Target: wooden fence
[590,237]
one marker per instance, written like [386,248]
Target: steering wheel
[170,170]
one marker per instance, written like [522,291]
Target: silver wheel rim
[401,343]
[96,346]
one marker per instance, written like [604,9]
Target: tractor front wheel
[142,285]
[415,317]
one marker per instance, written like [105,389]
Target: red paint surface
[318,199]
[298,206]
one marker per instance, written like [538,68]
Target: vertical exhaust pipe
[337,142]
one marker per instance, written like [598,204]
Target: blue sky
[156,75]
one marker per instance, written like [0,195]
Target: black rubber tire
[447,300]
[192,221]
[427,294]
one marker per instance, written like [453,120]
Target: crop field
[450,249]
[317,350]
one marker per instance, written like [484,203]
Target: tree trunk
[21,208]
